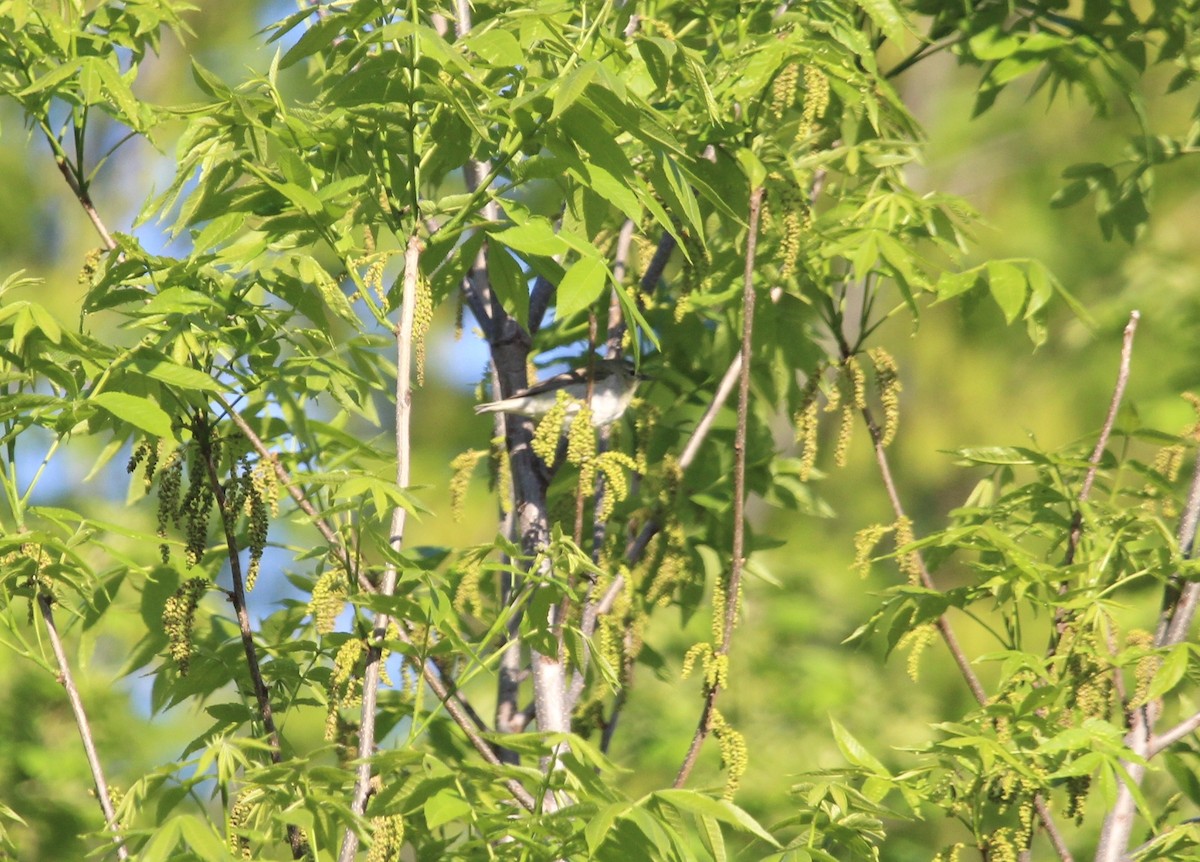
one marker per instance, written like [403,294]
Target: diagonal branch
[238,596]
[82,723]
[733,587]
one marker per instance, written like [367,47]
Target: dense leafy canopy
[723,192]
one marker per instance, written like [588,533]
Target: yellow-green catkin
[170,483]
[258,519]
[91,265]
[887,381]
[147,452]
[239,818]
[422,320]
[806,421]
[915,640]
[345,687]
[734,755]
[549,429]
[329,598]
[266,483]
[387,838]
[468,598]
[461,469]
[909,563]
[612,465]
[178,619]
[1147,666]
[865,541]
[581,437]
[816,102]
[783,90]
[1001,847]
[502,474]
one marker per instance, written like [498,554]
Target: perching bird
[614,382]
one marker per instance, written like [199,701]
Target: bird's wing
[578,375]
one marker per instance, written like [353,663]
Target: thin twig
[1076,530]
[238,596]
[366,732]
[1166,739]
[733,587]
[82,724]
[1114,406]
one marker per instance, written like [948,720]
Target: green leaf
[535,237]
[886,15]
[581,286]
[599,826]
[1170,672]
[444,807]
[693,802]
[1007,284]
[756,172]
[154,364]
[568,90]
[138,411]
[855,751]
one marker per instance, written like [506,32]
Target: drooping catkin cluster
[1147,666]
[915,640]
[179,618]
[816,102]
[865,541]
[468,598]
[845,394]
[549,428]
[887,382]
[329,597]
[345,683]
[667,564]
[147,452]
[783,90]
[714,664]
[807,425]
[387,838]
[614,467]
[502,474]
[734,755]
[909,562]
[240,814]
[1088,676]
[422,320]
[461,469]
[259,499]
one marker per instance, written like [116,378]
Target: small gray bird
[613,385]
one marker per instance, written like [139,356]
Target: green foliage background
[970,380]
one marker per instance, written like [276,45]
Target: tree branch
[366,731]
[238,596]
[82,724]
[733,587]
[1175,620]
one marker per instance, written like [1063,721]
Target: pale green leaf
[137,410]
[581,286]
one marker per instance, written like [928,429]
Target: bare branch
[82,724]
[1160,742]
[366,732]
[733,587]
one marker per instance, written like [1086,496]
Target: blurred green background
[968,380]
